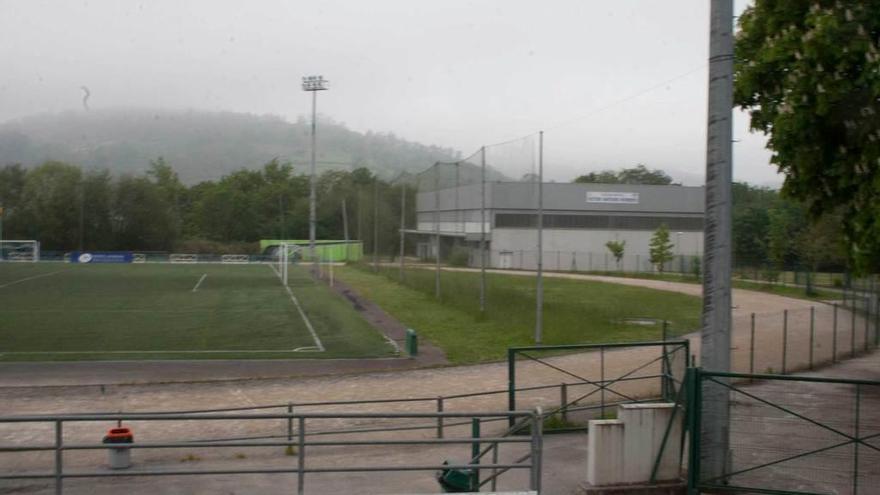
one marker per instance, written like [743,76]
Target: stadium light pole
[715,334]
[313,84]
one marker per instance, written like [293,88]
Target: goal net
[19,250]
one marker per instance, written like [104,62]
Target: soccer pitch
[57,311]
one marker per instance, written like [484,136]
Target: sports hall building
[578,220]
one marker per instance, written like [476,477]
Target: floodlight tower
[313,84]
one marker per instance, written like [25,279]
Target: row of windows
[598,222]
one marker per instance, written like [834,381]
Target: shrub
[459,257]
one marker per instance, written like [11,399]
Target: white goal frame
[19,250]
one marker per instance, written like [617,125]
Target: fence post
[511,385]
[537,431]
[852,343]
[812,332]
[289,423]
[834,335]
[867,323]
[664,366]
[558,266]
[563,401]
[693,426]
[494,470]
[752,347]
[475,453]
[602,381]
[784,338]
[301,457]
[439,418]
[856,442]
[59,457]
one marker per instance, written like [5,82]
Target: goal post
[286,254]
[19,250]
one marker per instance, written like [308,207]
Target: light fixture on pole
[313,84]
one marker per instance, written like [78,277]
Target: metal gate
[789,434]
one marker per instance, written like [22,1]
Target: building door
[505,260]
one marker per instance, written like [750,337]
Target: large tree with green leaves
[809,75]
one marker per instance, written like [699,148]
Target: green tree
[617,249]
[640,174]
[50,205]
[660,248]
[809,75]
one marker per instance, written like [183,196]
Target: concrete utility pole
[437,230]
[539,293]
[313,84]
[402,226]
[375,224]
[715,346]
[483,230]
[345,231]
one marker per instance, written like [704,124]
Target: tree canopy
[809,75]
[640,174]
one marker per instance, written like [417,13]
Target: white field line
[318,347]
[30,278]
[318,344]
[196,288]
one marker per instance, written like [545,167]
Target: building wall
[517,248]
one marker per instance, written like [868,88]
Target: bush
[697,267]
[459,257]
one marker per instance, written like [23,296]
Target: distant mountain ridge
[204,145]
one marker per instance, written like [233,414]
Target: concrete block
[645,425]
[605,460]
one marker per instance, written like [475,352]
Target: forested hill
[203,145]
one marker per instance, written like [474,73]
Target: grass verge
[575,311]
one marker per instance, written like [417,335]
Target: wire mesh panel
[794,435]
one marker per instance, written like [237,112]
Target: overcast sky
[448,72]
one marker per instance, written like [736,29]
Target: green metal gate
[789,434]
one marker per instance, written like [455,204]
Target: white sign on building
[625,198]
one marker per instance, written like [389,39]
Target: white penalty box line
[30,278]
[319,346]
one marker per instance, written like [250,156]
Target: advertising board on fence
[101,257]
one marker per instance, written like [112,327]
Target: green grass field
[56,311]
[575,311]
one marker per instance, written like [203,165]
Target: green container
[412,342]
[456,480]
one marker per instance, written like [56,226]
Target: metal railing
[297,439]
[789,434]
[669,379]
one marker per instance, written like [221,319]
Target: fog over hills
[203,145]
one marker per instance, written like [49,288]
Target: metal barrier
[673,359]
[789,434]
[296,438]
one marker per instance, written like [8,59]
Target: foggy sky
[453,73]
